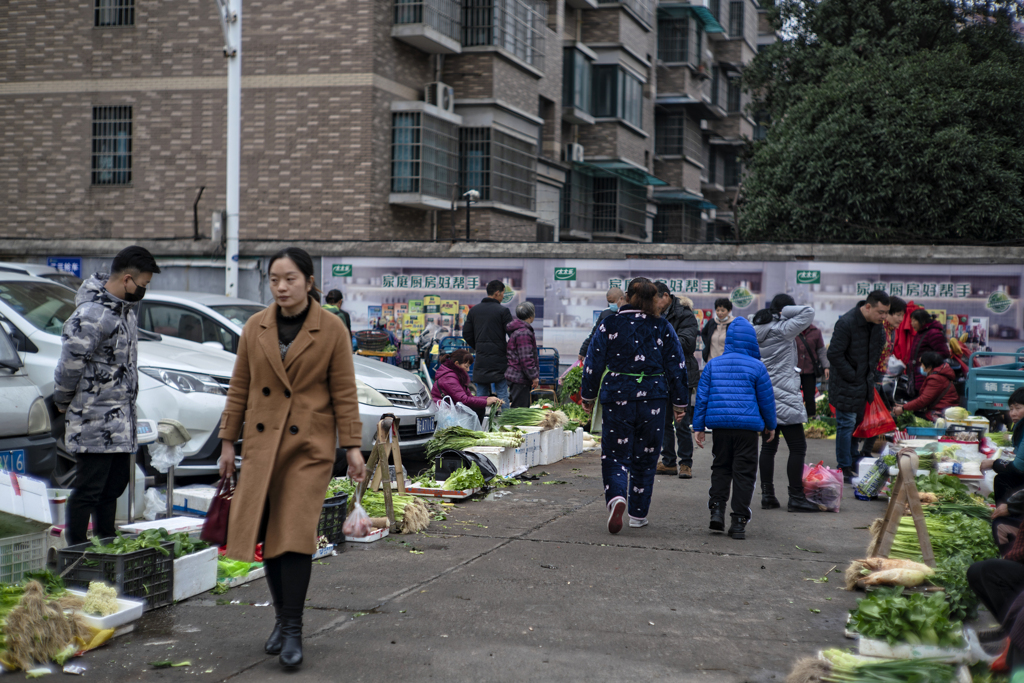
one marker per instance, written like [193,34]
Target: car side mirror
[214,345]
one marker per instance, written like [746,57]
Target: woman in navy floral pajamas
[635,363]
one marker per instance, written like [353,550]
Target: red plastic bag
[823,485]
[877,419]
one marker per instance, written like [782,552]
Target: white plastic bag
[163,457]
[895,367]
[358,523]
[467,417]
[446,415]
[156,504]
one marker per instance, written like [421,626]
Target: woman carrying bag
[293,388]
[452,380]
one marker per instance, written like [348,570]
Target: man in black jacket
[857,342]
[485,332]
[615,299]
[679,312]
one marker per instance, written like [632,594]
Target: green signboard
[341,270]
[565,273]
[808,277]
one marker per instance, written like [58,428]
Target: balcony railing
[436,20]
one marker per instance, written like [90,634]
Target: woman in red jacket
[452,379]
[931,336]
[938,390]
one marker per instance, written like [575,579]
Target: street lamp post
[471,196]
[230,14]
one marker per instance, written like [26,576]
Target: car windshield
[43,304]
[66,279]
[239,314]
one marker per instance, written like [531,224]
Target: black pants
[100,479]
[519,395]
[797,444]
[808,385]
[677,431]
[735,467]
[997,583]
[1006,483]
[288,580]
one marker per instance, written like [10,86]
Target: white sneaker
[637,523]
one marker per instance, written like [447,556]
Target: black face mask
[137,295]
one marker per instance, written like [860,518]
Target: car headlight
[38,418]
[370,396]
[185,382]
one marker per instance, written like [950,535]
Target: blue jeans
[845,424]
[499,389]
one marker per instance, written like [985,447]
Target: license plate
[14,461]
[424,425]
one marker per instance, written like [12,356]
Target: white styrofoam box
[128,610]
[172,524]
[551,446]
[495,454]
[195,573]
[24,496]
[251,576]
[323,552]
[194,499]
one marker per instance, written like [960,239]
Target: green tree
[892,121]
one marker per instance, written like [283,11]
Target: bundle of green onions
[520,417]
[460,438]
[411,513]
[847,668]
[1003,439]
[949,535]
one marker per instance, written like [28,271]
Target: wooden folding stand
[904,493]
[385,448]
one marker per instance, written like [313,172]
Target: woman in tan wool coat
[294,391]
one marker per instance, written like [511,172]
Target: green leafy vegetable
[465,478]
[948,488]
[949,535]
[951,574]
[917,619]
[571,384]
[151,538]
[460,438]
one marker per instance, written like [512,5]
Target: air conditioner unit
[574,152]
[704,124]
[441,96]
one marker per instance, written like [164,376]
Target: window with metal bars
[692,142]
[111,145]
[620,208]
[502,168]
[716,84]
[442,15]
[678,223]
[673,43]
[716,8]
[732,100]
[736,19]
[115,13]
[668,134]
[618,93]
[515,25]
[733,169]
[577,204]
[424,154]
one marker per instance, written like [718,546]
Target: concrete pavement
[529,585]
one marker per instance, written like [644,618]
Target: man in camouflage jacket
[95,386]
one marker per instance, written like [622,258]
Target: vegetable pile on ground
[946,487]
[465,478]
[578,417]
[412,514]
[151,538]
[949,534]
[951,574]
[842,667]
[917,619]
[908,419]
[38,623]
[571,384]
[819,429]
[821,405]
[460,438]
[884,571]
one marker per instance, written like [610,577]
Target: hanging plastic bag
[358,523]
[466,417]
[156,504]
[163,457]
[823,486]
[446,414]
[877,419]
[872,482]
[894,367]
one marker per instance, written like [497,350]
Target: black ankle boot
[768,499]
[291,648]
[738,530]
[717,517]
[276,639]
[798,502]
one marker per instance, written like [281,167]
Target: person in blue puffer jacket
[734,399]
[635,366]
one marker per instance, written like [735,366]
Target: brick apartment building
[369,119]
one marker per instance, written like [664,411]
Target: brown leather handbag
[215,528]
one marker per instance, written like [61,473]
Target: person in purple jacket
[452,380]
[523,372]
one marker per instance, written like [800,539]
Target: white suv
[178,379]
[218,320]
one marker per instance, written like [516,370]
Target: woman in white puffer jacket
[777,328]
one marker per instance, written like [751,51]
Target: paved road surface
[529,586]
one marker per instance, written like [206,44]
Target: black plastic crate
[145,574]
[332,517]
